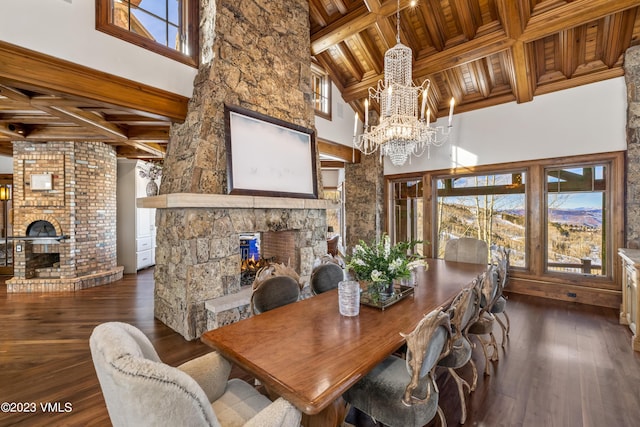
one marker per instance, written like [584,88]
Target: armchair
[141,390]
[403,393]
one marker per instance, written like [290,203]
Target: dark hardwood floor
[565,364]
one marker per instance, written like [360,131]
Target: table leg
[332,415]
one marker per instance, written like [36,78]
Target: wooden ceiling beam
[62,133]
[326,164]
[471,51]
[519,72]
[350,24]
[572,15]
[369,52]
[579,81]
[12,131]
[373,5]
[349,61]
[432,26]
[155,150]
[618,33]
[148,133]
[316,13]
[84,119]
[465,18]
[44,71]
[387,33]
[13,94]
[338,151]
[339,4]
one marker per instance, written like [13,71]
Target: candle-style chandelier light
[400,132]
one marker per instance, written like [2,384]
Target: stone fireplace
[64,234]
[255,55]
[198,243]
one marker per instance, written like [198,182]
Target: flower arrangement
[153,171]
[380,263]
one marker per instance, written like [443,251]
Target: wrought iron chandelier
[401,132]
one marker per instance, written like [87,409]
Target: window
[490,207]
[167,27]
[321,86]
[576,215]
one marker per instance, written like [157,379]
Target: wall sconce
[5,193]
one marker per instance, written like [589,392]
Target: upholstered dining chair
[463,311]
[467,249]
[140,390]
[326,276]
[273,293]
[274,286]
[488,290]
[500,306]
[403,393]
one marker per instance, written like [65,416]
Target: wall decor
[269,157]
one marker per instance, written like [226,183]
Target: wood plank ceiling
[481,52]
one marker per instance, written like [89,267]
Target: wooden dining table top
[309,354]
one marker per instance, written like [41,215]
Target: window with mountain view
[577,203]
[490,207]
[167,27]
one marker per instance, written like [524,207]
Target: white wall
[340,128]
[66,29]
[583,120]
[6,164]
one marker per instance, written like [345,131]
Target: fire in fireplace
[250,267]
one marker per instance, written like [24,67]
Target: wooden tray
[399,294]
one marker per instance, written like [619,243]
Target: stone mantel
[225,201]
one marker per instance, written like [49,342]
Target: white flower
[376,276]
[360,262]
[395,265]
[387,246]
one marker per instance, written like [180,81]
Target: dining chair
[463,311]
[140,390]
[326,276]
[274,292]
[403,393]
[500,305]
[274,286]
[488,291]
[467,249]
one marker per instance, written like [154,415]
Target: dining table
[310,354]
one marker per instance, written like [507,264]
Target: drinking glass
[349,297]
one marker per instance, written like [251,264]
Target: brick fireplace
[64,232]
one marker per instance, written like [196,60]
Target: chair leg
[443,420]
[461,383]
[494,344]
[491,342]
[486,355]
[508,321]
[474,382]
[504,330]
